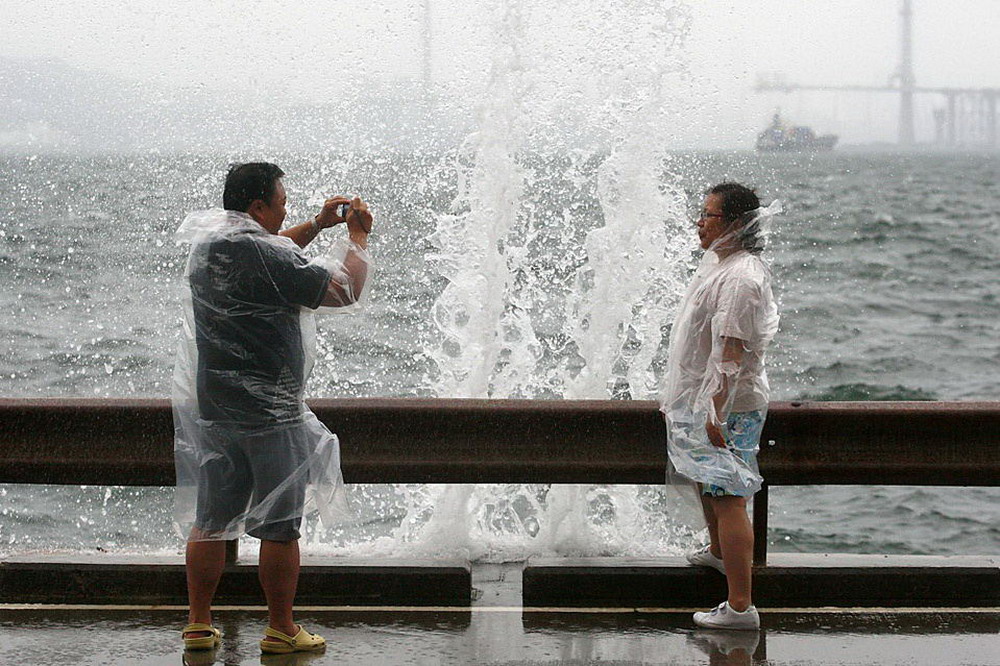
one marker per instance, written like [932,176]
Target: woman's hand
[715,435]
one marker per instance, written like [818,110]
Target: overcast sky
[308,50]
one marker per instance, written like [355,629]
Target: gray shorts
[253,476]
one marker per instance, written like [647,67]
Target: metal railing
[129,442]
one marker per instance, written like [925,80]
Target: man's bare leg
[736,541]
[279,576]
[204,562]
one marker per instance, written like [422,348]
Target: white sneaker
[704,558]
[724,617]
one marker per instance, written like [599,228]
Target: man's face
[271,215]
[711,223]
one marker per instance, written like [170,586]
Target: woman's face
[711,223]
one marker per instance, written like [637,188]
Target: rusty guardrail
[129,442]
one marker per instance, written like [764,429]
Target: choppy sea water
[886,268]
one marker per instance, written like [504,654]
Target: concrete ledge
[141,580]
[789,580]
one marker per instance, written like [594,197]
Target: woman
[715,393]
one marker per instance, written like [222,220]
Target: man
[246,445]
[715,392]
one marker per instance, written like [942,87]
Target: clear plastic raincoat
[250,456]
[728,298]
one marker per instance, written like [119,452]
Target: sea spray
[475,312]
[636,263]
[475,308]
[617,304]
[627,290]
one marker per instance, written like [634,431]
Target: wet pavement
[506,637]
[496,630]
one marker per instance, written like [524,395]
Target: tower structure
[906,78]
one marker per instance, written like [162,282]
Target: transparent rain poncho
[244,439]
[729,299]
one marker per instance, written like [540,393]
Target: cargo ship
[780,137]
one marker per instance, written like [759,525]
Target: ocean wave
[861,392]
[104,344]
[97,361]
[883,519]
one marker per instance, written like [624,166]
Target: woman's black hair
[737,200]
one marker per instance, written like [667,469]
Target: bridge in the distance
[967,119]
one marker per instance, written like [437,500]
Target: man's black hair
[250,181]
[737,200]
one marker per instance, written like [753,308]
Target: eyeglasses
[703,215]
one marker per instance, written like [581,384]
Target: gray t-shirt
[248,288]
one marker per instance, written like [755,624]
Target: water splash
[625,280]
[477,314]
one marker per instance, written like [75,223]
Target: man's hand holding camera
[354,212]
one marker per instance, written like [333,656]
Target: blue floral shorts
[743,439]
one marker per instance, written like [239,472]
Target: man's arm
[356,270]
[304,233]
[359,224]
[732,355]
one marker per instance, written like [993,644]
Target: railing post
[232,551]
[760,526]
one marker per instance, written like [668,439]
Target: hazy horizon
[184,68]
